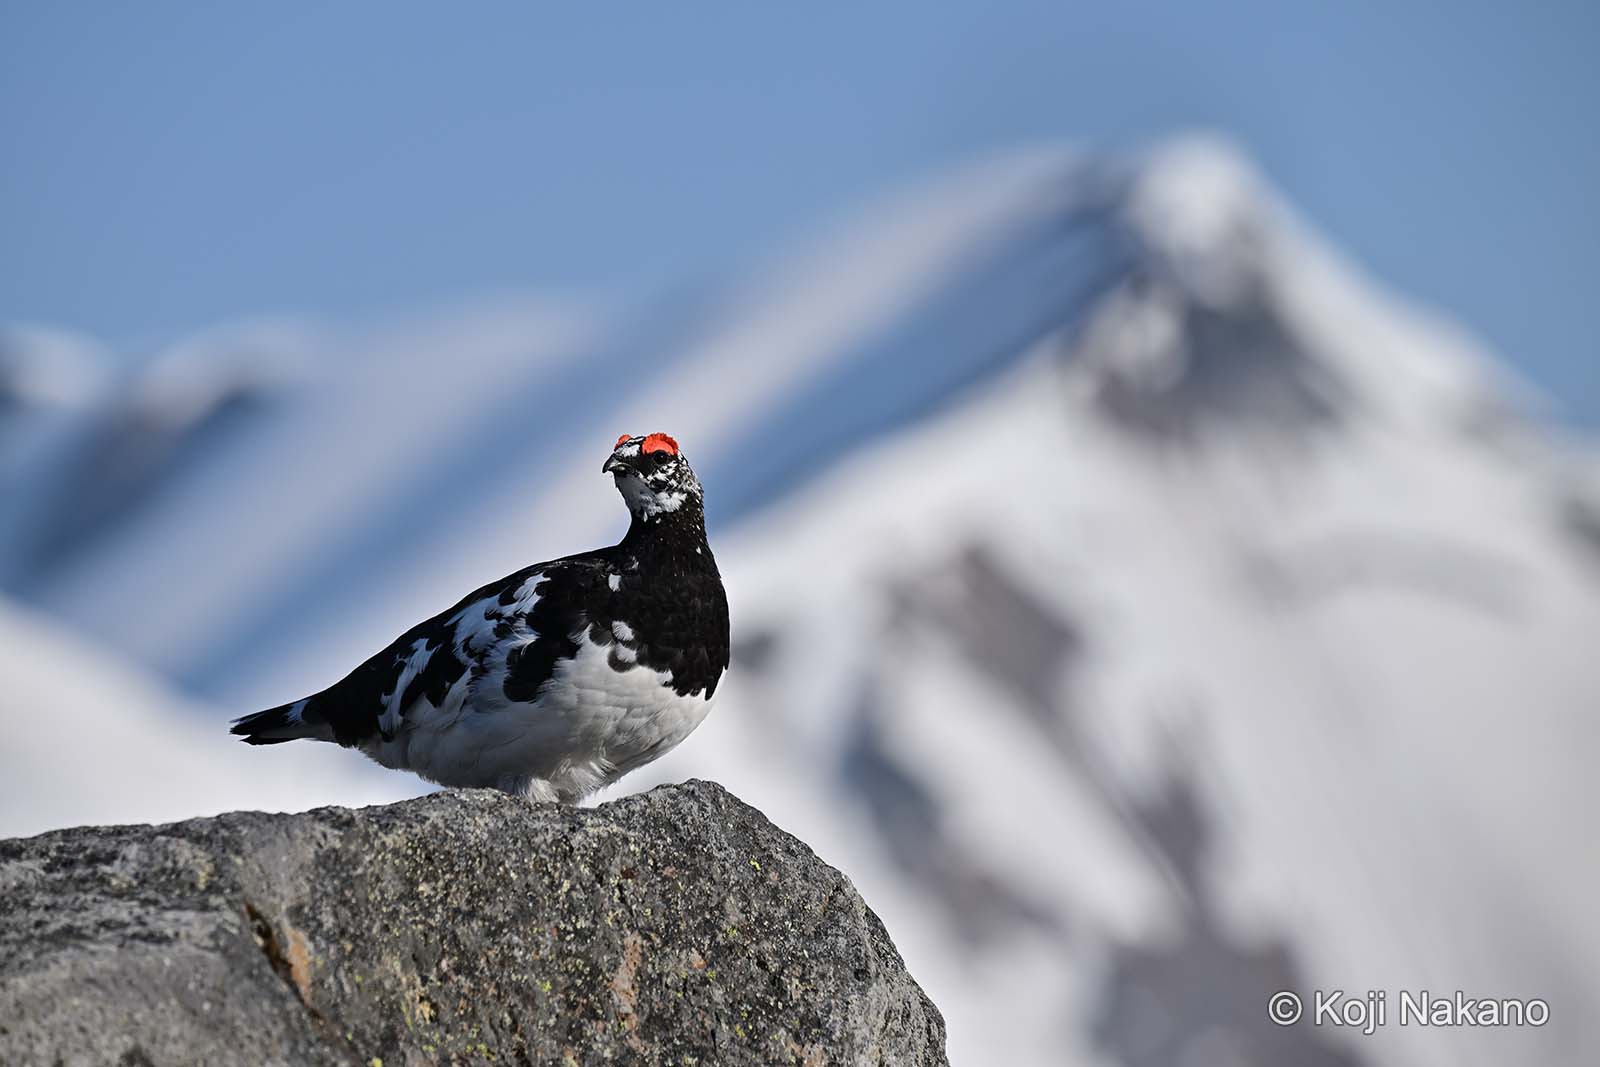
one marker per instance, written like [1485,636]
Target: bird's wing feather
[497,645]
[424,663]
[535,625]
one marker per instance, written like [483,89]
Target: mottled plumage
[559,678]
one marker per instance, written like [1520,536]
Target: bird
[559,678]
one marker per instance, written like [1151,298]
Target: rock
[675,927]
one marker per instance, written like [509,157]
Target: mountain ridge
[1124,589]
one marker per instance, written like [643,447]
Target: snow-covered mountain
[1145,610]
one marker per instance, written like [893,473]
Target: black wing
[425,661]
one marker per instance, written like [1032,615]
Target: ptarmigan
[558,679]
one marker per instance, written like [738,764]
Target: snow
[92,738]
[45,367]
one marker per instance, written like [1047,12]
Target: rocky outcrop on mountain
[675,927]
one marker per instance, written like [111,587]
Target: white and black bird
[558,679]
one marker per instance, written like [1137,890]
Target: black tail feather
[273,726]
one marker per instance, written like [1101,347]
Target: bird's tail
[286,722]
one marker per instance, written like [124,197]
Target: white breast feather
[589,724]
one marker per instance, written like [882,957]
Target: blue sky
[168,166]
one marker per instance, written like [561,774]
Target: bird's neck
[673,536]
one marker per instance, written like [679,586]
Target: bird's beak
[615,464]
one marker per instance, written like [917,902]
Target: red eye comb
[660,442]
[618,445]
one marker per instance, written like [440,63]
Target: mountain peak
[1198,203]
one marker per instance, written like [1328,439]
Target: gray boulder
[675,927]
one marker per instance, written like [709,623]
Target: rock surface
[674,927]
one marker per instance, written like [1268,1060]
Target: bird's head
[652,476]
